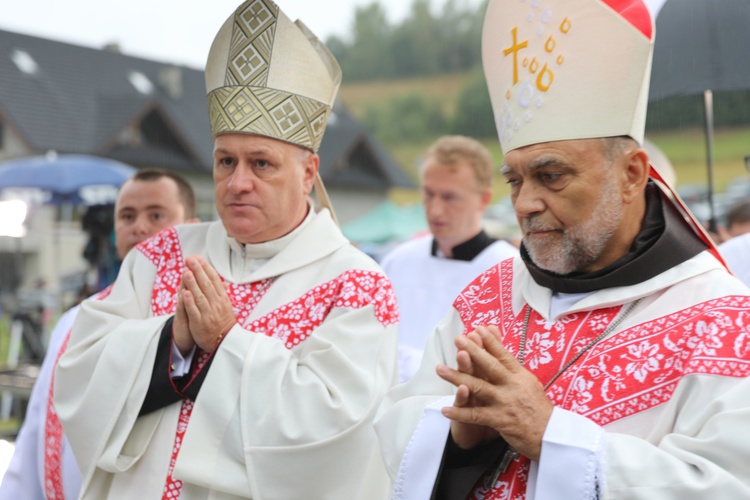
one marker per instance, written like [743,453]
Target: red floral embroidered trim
[53,431]
[630,372]
[291,323]
[165,252]
[294,322]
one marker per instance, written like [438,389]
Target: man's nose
[141,226]
[527,201]
[241,180]
[435,206]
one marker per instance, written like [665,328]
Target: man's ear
[636,171]
[311,164]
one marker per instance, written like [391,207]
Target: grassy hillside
[358,96]
[686,149]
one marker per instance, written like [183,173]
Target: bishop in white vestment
[243,358]
[611,359]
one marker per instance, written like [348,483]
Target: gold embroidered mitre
[269,76]
[567,69]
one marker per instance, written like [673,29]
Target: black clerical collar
[469,249]
[664,241]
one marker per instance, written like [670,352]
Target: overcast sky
[178,31]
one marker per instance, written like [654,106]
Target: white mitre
[567,69]
[269,76]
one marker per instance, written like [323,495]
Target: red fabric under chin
[635,12]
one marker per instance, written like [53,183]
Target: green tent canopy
[386,223]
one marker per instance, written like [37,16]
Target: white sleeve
[181,364]
[111,353]
[409,359]
[406,405]
[571,461]
[694,447]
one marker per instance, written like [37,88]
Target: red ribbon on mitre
[636,13]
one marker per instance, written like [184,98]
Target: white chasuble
[286,408]
[649,384]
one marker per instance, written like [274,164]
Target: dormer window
[24,62]
[141,82]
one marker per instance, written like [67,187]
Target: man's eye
[550,177]
[226,162]
[262,163]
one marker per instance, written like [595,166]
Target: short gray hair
[614,147]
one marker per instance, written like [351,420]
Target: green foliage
[413,115]
[427,50]
[405,118]
[473,116]
[423,44]
[365,57]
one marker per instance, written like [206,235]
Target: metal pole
[14,351]
[708,100]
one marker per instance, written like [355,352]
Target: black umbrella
[701,46]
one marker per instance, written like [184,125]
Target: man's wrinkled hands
[468,435]
[495,392]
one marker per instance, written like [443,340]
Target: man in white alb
[428,272]
[43,466]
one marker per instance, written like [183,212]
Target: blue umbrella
[63,175]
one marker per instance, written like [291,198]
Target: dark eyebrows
[536,165]
[545,161]
[254,152]
[221,151]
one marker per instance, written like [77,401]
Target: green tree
[460,29]
[473,116]
[423,44]
[406,118]
[339,49]
[417,43]
[368,56]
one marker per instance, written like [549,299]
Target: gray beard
[581,245]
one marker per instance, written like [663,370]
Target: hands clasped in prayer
[204,311]
[495,395]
